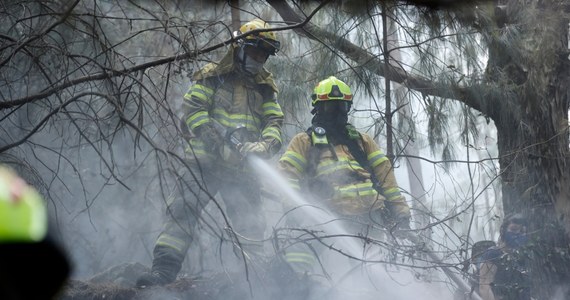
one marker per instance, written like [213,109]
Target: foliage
[90,96]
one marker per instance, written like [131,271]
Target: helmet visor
[257,54]
[269,46]
[333,107]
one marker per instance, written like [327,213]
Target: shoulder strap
[319,142]
[313,155]
[362,159]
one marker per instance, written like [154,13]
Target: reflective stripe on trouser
[306,258]
[243,205]
[182,214]
[245,213]
[301,260]
[173,242]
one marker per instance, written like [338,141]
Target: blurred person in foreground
[33,266]
[342,169]
[232,111]
[504,270]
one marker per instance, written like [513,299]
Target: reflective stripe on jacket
[351,190]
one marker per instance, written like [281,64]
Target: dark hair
[515,218]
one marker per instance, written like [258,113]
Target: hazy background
[105,161]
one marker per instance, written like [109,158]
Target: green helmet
[23,215]
[331,89]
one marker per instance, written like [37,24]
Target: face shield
[333,107]
[251,58]
[331,114]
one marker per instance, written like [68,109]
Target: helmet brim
[271,47]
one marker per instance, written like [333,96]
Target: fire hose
[229,134]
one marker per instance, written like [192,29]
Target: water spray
[280,183]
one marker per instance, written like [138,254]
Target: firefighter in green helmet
[342,168]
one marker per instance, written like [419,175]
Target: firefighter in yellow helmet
[232,112]
[33,266]
[343,169]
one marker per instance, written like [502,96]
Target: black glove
[210,136]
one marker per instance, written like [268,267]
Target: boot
[153,278]
[291,285]
[165,268]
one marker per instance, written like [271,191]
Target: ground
[117,283]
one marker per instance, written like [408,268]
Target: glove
[260,149]
[228,154]
[402,228]
[210,136]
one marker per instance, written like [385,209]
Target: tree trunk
[420,211]
[534,148]
[529,105]
[236,22]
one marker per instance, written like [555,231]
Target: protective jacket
[512,280]
[336,178]
[223,94]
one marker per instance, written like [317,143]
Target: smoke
[561,293]
[353,269]
[108,187]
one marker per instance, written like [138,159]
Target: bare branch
[466,94]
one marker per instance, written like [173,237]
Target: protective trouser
[308,257]
[241,196]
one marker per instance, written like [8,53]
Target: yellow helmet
[331,88]
[23,215]
[266,40]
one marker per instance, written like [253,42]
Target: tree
[87,92]
[86,105]
[523,90]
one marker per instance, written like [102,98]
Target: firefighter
[342,168]
[33,265]
[232,111]
[504,272]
